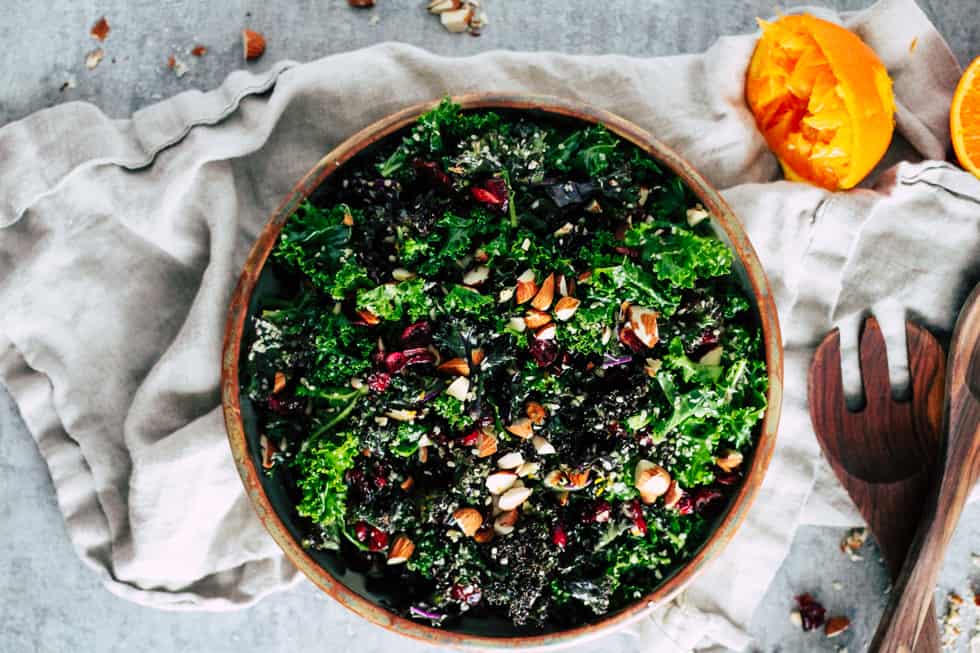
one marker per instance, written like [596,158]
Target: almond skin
[469,520]
[546,295]
[836,625]
[505,521]
[253,44]
[369,318]
[407,484]
[401,550]
[651,480]
[535,319]
[526,287]
[455,366]
[484,535]
[514,497]
[279,383]
[486,444]
[536,412]
[644,324]
[521,428]
[729,460]
[673,495]
[565,308]
[476,356]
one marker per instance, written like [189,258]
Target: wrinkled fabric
[121,241]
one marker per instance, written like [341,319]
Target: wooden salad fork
[906,616]
[885,455]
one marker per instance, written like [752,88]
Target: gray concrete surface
[49,601]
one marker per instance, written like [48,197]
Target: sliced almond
[401,550]
[504,523]
[563,230]
[477,356]
[513,498]
[486,444]
[517,324]
[457,21]
[469,520]
[526,287]
[267,452]
[535,319]
[476,276]
[505,295]
[455,366]
[644,324]
[643,195]
[279,383]
[651,480]
[584,276]
[401,414]
[407,484]
[536,412]
[547,332]
[652,366]
[542,446]
[528,469]
[542,300]
[593,207]
[500,482]
[673,495]
[521,428]
[729,460]
[836,625]
[459,388]
[369,318]
[401,274]
[484,535]
[423,455]
[442,6]
[697,215]
[565,308]
[511,460]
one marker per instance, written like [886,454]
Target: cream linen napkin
[121,240]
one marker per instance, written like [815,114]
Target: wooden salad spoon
[907,611]
[886,455]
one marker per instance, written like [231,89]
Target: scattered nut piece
[368,317]
[853,540]
[547,332]
[401,415]
[563,230]
[200,51]
[517,324]
[565,308]
[500,482]
[469,520]
[511,460]
[476,356]
[401,274]
[652,366]
[643,321]
[835,626]
[535,319]
[504,523]
[536,412]
[93,58]
[253,44]
[796,618]
[514,497]
[697,215]
[401,550]
[279,383]
[442,6]
[457,21]
[484,535]
[651,480]
[542,446]
[455,366]
[526,287]
[476,276]
[521,428]
[528,469]
[407,484]
[578,478]
[593,207]
[505,295]
[267,452]
[486,444]
[100,30]
[729,460]
[423,455]
[673,494]
[459,388]
[542,300]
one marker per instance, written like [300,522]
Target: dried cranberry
[706,498]
[544,352]
[599,512]
[630,339]
[380,481]
[285,405]
[416,334]
[559,537]
[728,478]
[361,531]
[395,362]
[685,505]
[377,539]
[379,381]
[811,612]
[634,512]
[493,192]
[429,171]
[469,594]
[470,438]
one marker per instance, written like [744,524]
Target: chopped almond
[536,412]
[521,428]
[253,44]
[469,520]
[542,300]
[455,366]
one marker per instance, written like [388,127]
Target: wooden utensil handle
[912,593]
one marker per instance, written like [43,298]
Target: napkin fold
[121,241]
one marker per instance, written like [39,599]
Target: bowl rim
[739,504]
